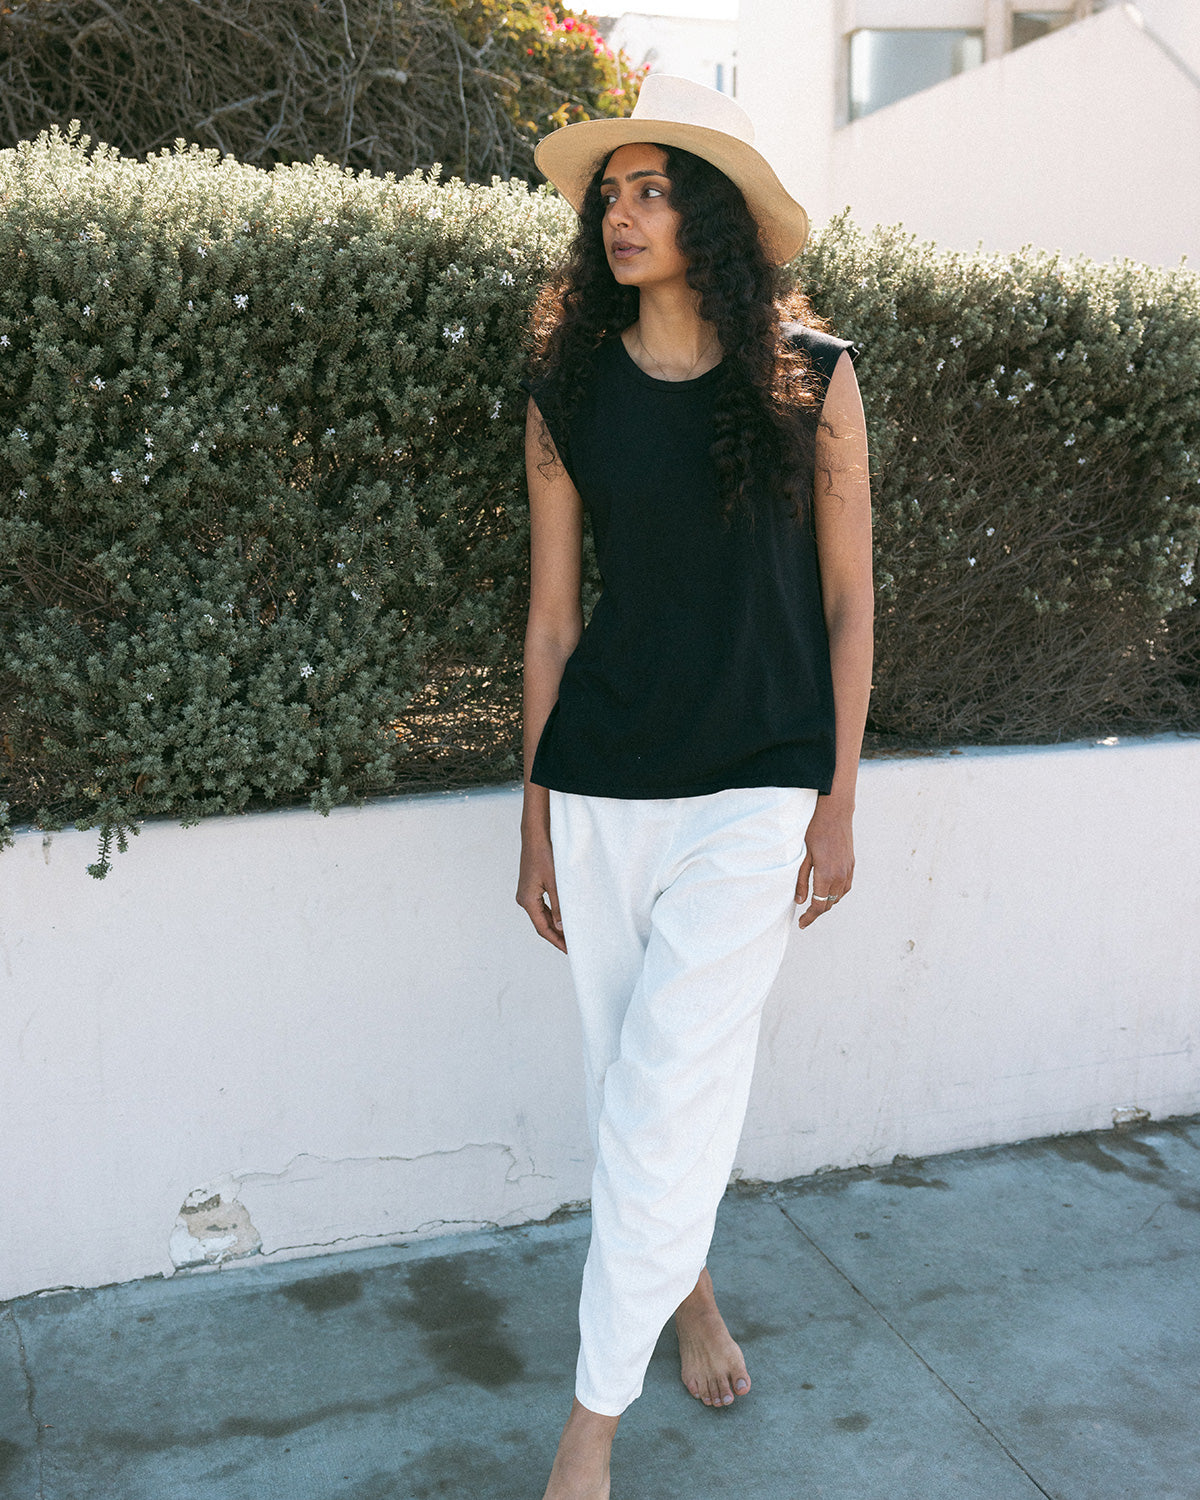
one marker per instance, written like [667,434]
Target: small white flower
[22,434]
[970,562]
[434,213]
[272,408]
[149,697]
[431,421]
[1029,385]
[145,479]
[1130,367]
[514,252]
[1062,354]
[506,278]
[190,309]
[229,607]
[956,340]
[1081,459]
[306,670]
[84,235]
[329,432]
[241,301]
[208,619]
[1069,442]
[354,594]
[148,440]
[202,252]
[166,392]
[991,531]
[941,365]
[87,311]
[1002,370]
[297,307]
[341,565]
[195,447]
[496,410]
[1015,399]
[104,281]
[4,344]
[454,334]
[246,227]
[23,495]
[98,383]
[115,475]
[397,452]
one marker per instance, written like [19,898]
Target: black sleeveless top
[705,664]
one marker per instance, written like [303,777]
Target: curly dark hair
[768,402]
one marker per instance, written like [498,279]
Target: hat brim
[569,158]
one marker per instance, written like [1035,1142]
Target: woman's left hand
[828,867]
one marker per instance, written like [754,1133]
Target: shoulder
[551,386]
[822,349]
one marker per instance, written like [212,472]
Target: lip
[624,250]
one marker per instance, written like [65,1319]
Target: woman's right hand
[537,894]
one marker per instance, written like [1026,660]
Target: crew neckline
[654,381]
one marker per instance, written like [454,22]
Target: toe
[742,1385]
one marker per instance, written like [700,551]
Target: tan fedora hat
[678,112]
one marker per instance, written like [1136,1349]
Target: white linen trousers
[676,912]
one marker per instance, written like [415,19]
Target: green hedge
[262,526]
[1035,432]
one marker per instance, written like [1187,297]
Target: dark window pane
[1028,25]
[890,65]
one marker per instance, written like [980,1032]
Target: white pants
[676,913]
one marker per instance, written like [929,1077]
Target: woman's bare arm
[842,514]
[555,625]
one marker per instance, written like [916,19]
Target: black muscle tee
[705,664]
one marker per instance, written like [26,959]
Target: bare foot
[580,1469]
[711,1364]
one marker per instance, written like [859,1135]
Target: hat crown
[682,102]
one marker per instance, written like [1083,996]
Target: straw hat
[678,112]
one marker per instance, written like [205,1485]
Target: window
[890,65]
[1028,25]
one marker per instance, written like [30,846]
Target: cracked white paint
[314,1202]
[213,1227]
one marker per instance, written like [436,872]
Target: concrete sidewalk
[992,1325]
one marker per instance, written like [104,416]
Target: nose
[617,213]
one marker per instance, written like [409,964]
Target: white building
[1073,125]
[702,48]
[694,39]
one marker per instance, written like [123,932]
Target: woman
[690,758]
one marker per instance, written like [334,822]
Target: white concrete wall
[1085,141]
[283,1034]
[788,62]
[1177,24]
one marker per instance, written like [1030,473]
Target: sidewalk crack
[30,1406]
[916,1353]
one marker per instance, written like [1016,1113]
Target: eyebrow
[633,176]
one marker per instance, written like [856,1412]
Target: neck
[671,329]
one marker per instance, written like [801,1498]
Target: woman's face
[639,224]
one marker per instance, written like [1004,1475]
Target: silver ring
[824,898]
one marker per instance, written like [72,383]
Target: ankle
[592,1424]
